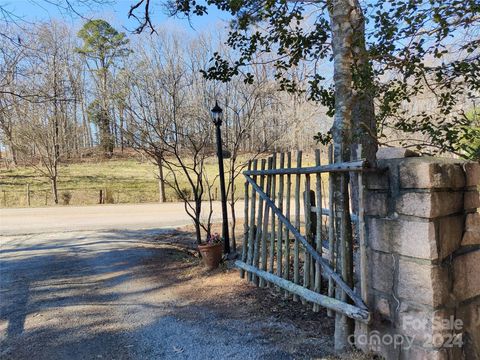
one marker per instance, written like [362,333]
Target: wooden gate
[307,267]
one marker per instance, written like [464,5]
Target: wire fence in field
[111,192]
[88,196]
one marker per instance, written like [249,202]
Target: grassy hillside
[132,180]
[127,180]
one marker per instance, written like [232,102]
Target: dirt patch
[296,329]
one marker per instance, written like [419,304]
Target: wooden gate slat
[272,233]
[287,214]
[256,245]
[349,310]
[308,233]
[331,228]
[359,165]
[326,267]
[296,254]
[280,224]
[245,226]
[265,224]
[251,233]
[361,233]
[318,238]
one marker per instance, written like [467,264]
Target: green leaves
[414,49]
[103,45]
[101,42]
[469,144]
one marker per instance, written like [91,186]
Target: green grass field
[126,180]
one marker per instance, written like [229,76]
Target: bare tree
[169,122]
[42,140]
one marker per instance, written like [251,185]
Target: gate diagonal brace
[311,250]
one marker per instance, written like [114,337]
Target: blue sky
[114,11]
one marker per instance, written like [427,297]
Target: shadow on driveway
[126,295]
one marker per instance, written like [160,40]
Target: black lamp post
[217,115]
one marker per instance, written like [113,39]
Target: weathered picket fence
[312,266]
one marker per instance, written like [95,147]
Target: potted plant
[212,251]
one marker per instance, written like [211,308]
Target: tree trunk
[13,154]
[108,140]
[161,181]
[65,136]
[198,233]
[121,115]
[7,130]
[114,127]
[54,189]
[198,211]
[233,214]
[342,13]
[363,114]
[75,128]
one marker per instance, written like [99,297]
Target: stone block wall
[423,239]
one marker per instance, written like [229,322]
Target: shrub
[186,193]
[66,197]
[109,196]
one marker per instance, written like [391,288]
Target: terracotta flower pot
[211,255]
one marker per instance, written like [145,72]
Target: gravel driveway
[129,294]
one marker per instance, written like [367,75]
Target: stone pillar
[423,239]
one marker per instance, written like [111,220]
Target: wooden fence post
[265,224]
[28,194]
[361,233]
[245,226]
[256,252]
[272,233]
[287,214]
[308,233]
[296,250]
[331,229]
[318,230]
[280,225]
[252,230]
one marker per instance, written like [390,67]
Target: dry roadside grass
[129,178]
[126,180]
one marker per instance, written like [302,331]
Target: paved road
[70,289]
[105,282]
[99,217]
